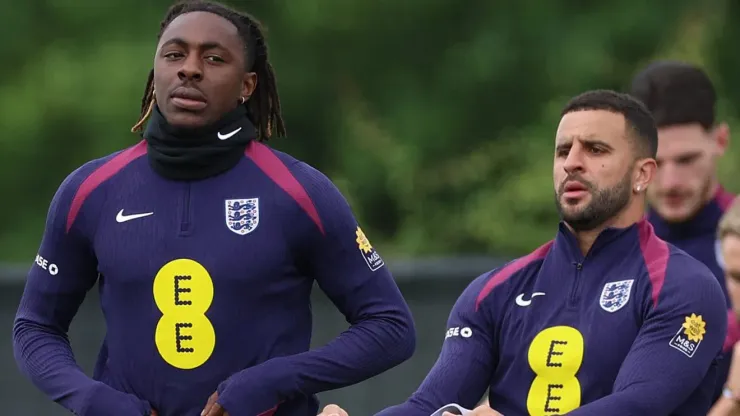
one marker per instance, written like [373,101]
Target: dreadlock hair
[263,107]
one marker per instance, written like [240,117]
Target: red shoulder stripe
[276,170]
[511,268]
[100,175]
[655,253]
[724,199]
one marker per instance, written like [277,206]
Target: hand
[333,410]
[483,410]
[212,408]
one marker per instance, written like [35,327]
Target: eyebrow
[596,142]
[588,140]
[688,156]
[204,45]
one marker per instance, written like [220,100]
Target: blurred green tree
[436,119]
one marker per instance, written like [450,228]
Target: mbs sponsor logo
[555,356]
[372,258]
[689,336]
[183,292]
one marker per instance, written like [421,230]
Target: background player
[206,244]
[728,233]
[686,199]
[607,319]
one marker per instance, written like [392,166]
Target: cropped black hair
[676,93]
[637,117]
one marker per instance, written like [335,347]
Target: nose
[668,176]
[574,162]
[191,70]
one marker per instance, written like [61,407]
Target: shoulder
[313,192]
[309,176]
[671,271]
[684,270]
[78,186]
[682,280]
[100,169]
[482,288]
[75,180]
[283,168]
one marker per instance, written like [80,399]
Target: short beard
[605,205]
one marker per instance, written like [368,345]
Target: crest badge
[242,215]
[615,295]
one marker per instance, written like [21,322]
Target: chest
[204,234]
[574,324]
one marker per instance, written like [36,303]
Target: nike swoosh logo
[228,135]
[521,302]
[123,218]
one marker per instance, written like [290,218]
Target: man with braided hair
[206,244]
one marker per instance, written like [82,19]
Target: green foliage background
[434,117]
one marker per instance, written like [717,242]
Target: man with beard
[686,199]
[606,319]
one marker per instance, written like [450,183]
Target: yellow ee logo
[183,292]
[555,356]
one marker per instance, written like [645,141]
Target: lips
[188,98]
[188,94]
[574,186]
[673,199]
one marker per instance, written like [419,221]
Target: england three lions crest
[615,295]
[242,215]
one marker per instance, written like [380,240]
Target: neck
[189,154]
[703,222]
[631,214]
[713,189]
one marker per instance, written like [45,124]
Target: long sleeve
[62,274]
[333,250]
[465,365]
[674,351]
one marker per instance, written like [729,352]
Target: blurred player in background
[728,234]
[686,199]
[206,244]
[606,319]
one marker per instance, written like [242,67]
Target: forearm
[637,401]
[366,349]
[46,358]
[381,335]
